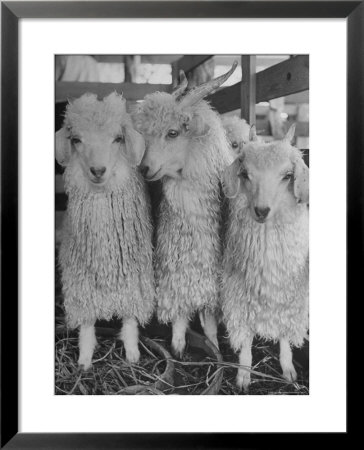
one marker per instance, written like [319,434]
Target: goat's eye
[234,145]
[244,174]
[119,139]
[172,133]
[288,176]
[75,140]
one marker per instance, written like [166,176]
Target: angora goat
[265,277]
[237,132]
[106,250]
[186,147]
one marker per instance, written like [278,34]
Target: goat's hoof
[243,381]
[290,374]
[214,340]
[132,355]
[178,347]
[84,364]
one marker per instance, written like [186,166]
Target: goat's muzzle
[152,177]
[97,174]
[261,214]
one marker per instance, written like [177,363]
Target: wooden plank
[113,59]
[132,91]
[248,88]
[128,78]
[148,59]
[175,74]
[189,62]
[227,99]
[285,78]
[160,59]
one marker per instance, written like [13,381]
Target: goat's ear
[135,146]
[230,179]
[63,147]
[290,133]
[301,181]
[198,126]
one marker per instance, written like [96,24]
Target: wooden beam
[227,99]
[132,91]
[175,74]
[288,77]
[151,59]
[285,78]
[128,78]
[160,59]
[248,88]
[189,62]
[109,58]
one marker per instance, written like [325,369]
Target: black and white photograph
[181,216]
[182,224]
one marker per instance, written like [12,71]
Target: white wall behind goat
[325,41]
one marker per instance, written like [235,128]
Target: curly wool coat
[188,250]
[266,276]
[106,250]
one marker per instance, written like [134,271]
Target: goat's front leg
[245,359]
[87,343]
[285,358]
[209,325]
[130,336]
[179,327]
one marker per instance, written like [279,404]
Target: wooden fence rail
[132,91]
[288,77]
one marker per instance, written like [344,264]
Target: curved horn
[199,92]
[182,85]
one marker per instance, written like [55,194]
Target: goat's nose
[98,172]
[144,170]
[261,213]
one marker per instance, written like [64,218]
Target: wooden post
[128,61]
[248,88]
[175,74]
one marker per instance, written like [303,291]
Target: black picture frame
[11,13]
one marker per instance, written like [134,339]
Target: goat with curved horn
[198,93]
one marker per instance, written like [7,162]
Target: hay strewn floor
[111,374]
[266,378]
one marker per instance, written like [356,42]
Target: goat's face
[170,123]
[97,151]
[166,154]
[170,132]
[267,189]
[271,177]
[97,137]
[237,132]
